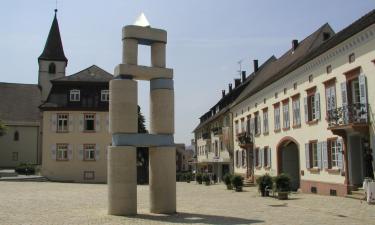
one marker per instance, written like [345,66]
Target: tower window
[52,68]
[16,136]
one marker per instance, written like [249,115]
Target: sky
[206,40]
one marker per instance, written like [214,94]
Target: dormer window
[104,96]
[75,95]
[52,68]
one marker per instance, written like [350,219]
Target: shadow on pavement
[191,218]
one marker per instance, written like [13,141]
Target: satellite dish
[142,21]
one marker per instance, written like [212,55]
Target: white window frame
[75,95]
[62,122]
[286,123]
[104,95]
[334,151]
[61,152]
[89,152]
[86,117]
[296,112]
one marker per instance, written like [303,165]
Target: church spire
[53,50]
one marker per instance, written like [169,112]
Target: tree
[141,122]
[2,128]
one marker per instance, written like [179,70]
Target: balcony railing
[245,139]
[351,114]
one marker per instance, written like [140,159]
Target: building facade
[75,127]
[213,135]
[310,115]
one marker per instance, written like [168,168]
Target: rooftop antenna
[240,64]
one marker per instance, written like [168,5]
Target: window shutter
[71,120]
[97,125]
[54,122]
[306,109]
[319,154]
[363,95]
[97,152]
[269,157]
[261,157]
[298,112]
[80,151]
[307,155]
[81,122]
[317,105]
[344,97]
[325,155]
[252,126]
[340,163]
[70,152]
[53,152]
[254,157]
[259,124]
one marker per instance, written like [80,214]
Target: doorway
[288,161]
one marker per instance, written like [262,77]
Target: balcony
[353,117]
[245,140]
[217,131]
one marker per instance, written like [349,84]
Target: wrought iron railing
[350,114]
[245,138]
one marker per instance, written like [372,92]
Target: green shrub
[198,178]
[264,182]
[282,183]
[206,179]
[237,182]
[188,177]
[227,181]
[25,169]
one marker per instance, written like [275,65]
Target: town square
[215,112]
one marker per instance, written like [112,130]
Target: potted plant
[264,184]
[227,180]
[206,179]
[237,182]
[282,183]
[198,178]
[188,177]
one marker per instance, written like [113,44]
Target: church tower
[52,61]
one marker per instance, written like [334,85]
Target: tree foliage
[141,122]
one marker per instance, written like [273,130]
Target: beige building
[310,114]
[184,158]
[19,112]
[213,135]
[75,127]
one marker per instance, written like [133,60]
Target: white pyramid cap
[142,21]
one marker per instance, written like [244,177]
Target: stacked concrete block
[123,126]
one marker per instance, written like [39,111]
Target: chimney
[237,82]
[230,88]
[243,76]
[223,93]
[294,44]
[256,68]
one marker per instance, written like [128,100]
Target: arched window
[16,136]
[52,68]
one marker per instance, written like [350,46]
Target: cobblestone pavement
[66,203]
